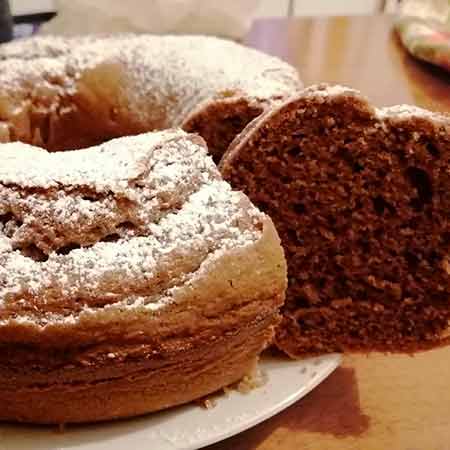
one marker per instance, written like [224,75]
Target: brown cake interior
[362,207]
[221,122]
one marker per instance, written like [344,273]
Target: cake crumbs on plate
[256,378]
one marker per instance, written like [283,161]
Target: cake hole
[346,212]
[9,224]
[378,233]
[380,205]
[33,252]
[412,259]
[416,204]
[5,218]
[127,226]
[247,165]
[434,257]
[262,205]
[113,237]
[331,219]
[89,198]
[44,129]
[357,167]
[420,180]
[445,238]
[285,179]
[364,244]
[295,151]
[354,164]
[354,334]
[291,235]
[432,149]
[66,249]
[299,208]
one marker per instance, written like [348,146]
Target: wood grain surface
[375,402]
[361,52]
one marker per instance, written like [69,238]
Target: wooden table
[374,402]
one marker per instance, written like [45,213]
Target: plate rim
[335,360]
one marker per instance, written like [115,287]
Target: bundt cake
[132,278]
[361,200]
[359,195]
[64,93]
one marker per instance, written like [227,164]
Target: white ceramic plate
[187,427]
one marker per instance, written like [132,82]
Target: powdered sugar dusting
[399,112]
[180,215]
[326,90]
[407,112]
[108,167]
[163,77]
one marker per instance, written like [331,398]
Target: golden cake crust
[126,269]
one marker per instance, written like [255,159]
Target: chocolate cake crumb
[360,198]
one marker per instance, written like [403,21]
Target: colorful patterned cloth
[426,39]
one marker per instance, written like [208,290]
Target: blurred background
[232,18]
[29,14]
[307,33]
[265,7]
[327,40]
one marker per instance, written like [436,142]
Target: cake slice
[132,278]
[361,200]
